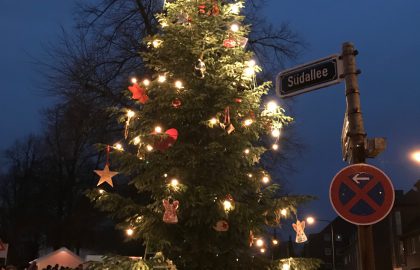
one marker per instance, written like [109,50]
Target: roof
[62,257]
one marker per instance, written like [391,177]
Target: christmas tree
[194,136]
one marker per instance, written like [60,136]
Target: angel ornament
[299,227]
[170,215]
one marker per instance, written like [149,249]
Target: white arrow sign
[357,179]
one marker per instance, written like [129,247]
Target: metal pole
[357,144]
[332,246]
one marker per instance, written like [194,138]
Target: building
[396,238]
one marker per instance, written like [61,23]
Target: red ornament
[231,43]
[163,143]
[176,103]
[238,100]
[170,215]
[138,93]
[221,226]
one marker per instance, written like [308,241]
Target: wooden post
[357,144]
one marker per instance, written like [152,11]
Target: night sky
[385,33]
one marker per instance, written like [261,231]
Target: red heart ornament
[168,140]
[138,93]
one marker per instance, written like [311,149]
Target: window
[327,251]
[398,227]
[327,237]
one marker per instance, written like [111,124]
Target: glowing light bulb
[265,179]
[165,175]
[251,63]
[136,140]
[213,121]
[275,146]
[234,27]
[162,78]
[101,191]
[227,205]
[234,8]
[129,232]
[272,106]
[250,175]
[249,71]
[158,129]
[134,80]
[310,220]
[146,82]
[156,43]
[149,148]
[259,242]
[415,156]
[118,147]
[130,113]
[275,133]
[178,84]
[285,266]
[262,250]
[248,122]
[275,242]
[246,151]
[174,182]
[283,212]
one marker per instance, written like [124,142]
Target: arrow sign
[310,76]
[357,177]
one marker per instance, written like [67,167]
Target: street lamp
[415,156]
[311,220]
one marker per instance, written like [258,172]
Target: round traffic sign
[362,194]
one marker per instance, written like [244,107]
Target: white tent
[62,257]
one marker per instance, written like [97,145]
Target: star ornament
[106,176]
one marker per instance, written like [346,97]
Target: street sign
[309,76]
[362,194]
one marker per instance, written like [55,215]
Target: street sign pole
[357,137]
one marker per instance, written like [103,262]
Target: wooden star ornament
[106,176]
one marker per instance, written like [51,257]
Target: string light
[165,175]
[249,72]
[246,151]
[178,84]
[138,219]
[174,183]
[136,140]
[149,148]
[272,106]
[234,8]
[250,175]
[259,242]
[158,129]
[162,78]
[275,133]
[101,191]
[129,232]
[156,43]
[275,242]
[213,121]
[283,212]
[227,205]
[286,266]
[234,27]
[248,122]
[265,179]
[130,114]
[251,63]
[262,250]
[146,82]
[118,147]
[134,80]
[275,146]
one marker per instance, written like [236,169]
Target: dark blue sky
[385,33]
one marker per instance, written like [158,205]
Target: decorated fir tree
[193,142]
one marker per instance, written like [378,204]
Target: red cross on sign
[362,194]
